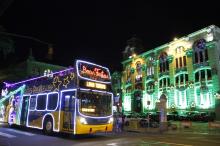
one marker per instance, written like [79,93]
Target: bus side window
[72,106]
[66,105]
[32,103]
[52,101]
[41,102]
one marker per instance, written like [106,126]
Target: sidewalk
[194,128]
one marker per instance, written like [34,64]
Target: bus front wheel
[48,126]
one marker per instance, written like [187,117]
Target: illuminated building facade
[186,71]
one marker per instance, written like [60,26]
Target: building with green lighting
[186,71]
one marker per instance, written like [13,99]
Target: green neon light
[8,96]
[127,103]
[12,93]
[18,116]
[148,98]
[180,99]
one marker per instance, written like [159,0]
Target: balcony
[200,65]
[166,73]
[149,77]
[182,69]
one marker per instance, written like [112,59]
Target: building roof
[206,29]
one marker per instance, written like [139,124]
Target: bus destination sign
[92,71]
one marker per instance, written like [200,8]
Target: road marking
[7,135]
[112,144]
[21,132]
[174,143]
[202,133]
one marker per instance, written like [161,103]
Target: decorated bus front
[94,99]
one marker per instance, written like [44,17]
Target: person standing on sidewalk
[118,124]
[115,123]
[123,122]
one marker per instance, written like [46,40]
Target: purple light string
[24,81]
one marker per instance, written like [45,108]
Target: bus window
[52,101]
[95,104]
[32,102]
[41,102]
[66,104]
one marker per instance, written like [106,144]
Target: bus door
[24,110]
[68,100]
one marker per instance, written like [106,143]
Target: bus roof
[35,78]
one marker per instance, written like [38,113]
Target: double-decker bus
[76,100]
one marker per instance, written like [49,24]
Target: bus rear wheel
[48,126]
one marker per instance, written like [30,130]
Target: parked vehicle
[206,117]
[193,115]
[145,123]
[172,116]
[126,120]
[197,116]
[184,116]
[155,116]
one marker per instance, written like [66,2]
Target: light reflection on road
[149,143]
[113,144]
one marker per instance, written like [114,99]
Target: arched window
[150,87]
[128,74]
[181,99]
[138,68]
[150,66]
[203,75]
[180,57]
[200,51]
[138,77]
[164,65]
[164,82]
[181,80]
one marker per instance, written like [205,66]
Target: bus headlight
[110,120]
[82,120]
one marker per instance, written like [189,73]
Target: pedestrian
[115,123]
[119,124]
[123,122]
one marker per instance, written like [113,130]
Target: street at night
[17,137]
[109,73]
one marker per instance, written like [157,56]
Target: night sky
[98,30]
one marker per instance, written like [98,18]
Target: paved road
[17,137]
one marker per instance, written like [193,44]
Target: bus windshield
[95,103]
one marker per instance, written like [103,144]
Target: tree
[6,43]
